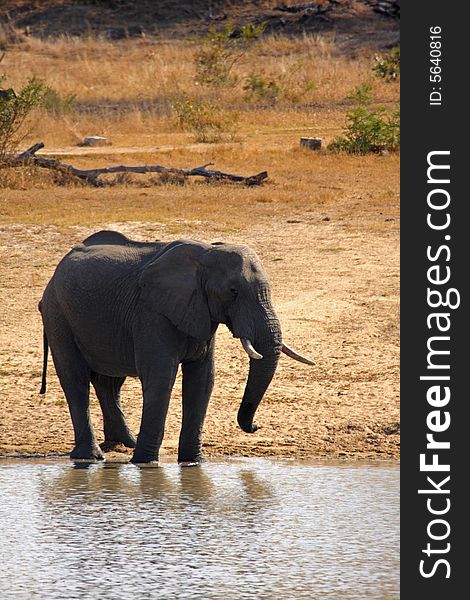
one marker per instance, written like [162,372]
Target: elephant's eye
[234,292]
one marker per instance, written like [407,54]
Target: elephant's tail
[44,367]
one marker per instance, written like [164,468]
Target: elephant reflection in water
[116,308]
[90,485]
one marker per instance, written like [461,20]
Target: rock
[95,140]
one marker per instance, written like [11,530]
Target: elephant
[117,308]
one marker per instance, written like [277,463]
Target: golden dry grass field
[325,225]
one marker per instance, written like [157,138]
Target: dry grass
[126,88]
[123,90]
[299,181]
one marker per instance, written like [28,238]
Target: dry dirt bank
[334,274]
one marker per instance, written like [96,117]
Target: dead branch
[91,176]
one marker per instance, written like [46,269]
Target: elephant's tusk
[248,347]
[293,354]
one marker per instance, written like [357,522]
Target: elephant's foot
[119,435]
[144,457]
[190,463]
[113,446]
[88,451]
[112,441]
[188,459]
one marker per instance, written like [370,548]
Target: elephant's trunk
[268,343]
[259,377]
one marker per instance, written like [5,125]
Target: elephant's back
[96,289]
[106,261]
[97,274]
[116,239]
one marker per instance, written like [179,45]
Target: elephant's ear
[171,286]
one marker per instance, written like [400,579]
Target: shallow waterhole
[230,528]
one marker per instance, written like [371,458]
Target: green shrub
[251,31]
[295,91]
[14,109]
[292,86]
[57,104]
[206,121]
[259,88]
[284,87]
[221,50]
[369,128]
[388,67]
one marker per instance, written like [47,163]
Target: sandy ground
[335,289]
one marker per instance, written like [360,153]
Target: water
[233,529]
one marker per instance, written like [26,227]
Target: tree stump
[95,140]
[312,143]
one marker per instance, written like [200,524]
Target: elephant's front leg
[198,381]
[157,382]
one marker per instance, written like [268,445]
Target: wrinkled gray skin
[116,308]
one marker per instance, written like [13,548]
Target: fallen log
[91,176]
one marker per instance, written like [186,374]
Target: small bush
[251,32]
[14,109]
[388,67]
[295,91]
[369,129]
[294,83]
[20,179]
[206,121]
[290,87]
[259,88]
[221,50]
[56,104]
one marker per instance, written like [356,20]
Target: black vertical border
[427,128]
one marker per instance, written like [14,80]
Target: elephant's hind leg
[116,430]
[74,376]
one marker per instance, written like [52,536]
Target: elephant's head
[198,285]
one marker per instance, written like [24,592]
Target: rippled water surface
[233,529]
